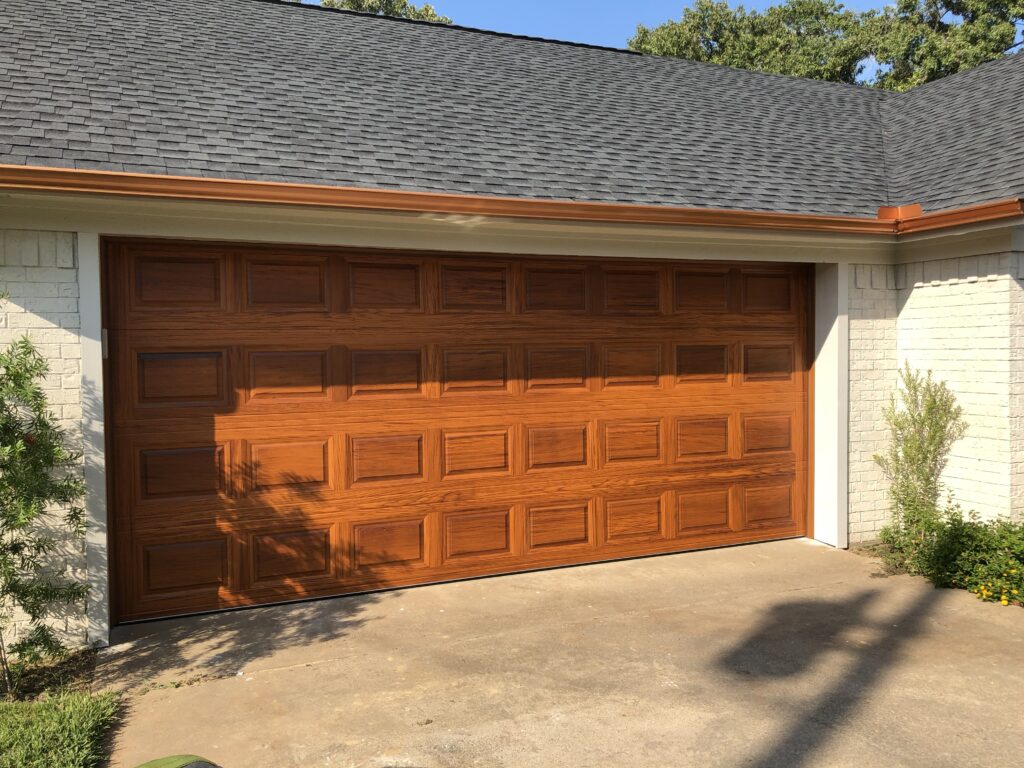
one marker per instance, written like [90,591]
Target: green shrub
[40,489]
[928,537]
[69,730]
[924,422]
[987,559]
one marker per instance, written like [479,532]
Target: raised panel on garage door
[302,422]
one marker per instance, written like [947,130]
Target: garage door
[291,422]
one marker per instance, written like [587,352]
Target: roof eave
[31,178]
[1009,208]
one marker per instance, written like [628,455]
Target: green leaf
[40,486]
[912,41]
[398,8]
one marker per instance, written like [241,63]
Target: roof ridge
[882,93]
[670,60]
[457,27]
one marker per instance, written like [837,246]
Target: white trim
[831,404]
[97,559]
[1017,240]
[472,234]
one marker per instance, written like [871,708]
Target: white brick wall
[38,271]
[955,321]
[962,319]
[873,310]
[1016,426]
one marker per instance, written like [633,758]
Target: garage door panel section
[557,369]
[377,283]
[472,453]
[478,535]
[556,288]
[304,465]
[769,431]
[557,447]
[560,526]
[179,573]
[377,459]
[183,472]
[703,511]
[183,281]
[769,362]
[630,518]
[770,503]
[388,546]
[633,364]
[281,555]
[279,283]
[185,566]
[475,287]
[632,290]
[160,477]
[291,422]
[182,378]
[280,376]
[632,440]
[476,370]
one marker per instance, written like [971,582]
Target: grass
[65,730]
[56,722]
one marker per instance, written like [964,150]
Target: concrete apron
[780,654]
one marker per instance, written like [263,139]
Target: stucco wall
[38,271]
[960,318]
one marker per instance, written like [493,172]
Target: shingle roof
[255,89]
[959,140]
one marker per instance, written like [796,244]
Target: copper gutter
[891,221]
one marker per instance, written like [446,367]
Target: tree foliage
[40,492]
[913,41]
[807,38]
[917,41]
[400,8]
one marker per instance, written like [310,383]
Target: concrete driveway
[782,654]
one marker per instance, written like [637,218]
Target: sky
[598,22]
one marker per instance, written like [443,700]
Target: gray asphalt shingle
[269,91]
[960,140]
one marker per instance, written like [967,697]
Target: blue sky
[600,22]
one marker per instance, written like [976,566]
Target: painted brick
[961,319]
[873,311]
[37,269]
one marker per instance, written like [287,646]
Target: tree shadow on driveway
[794,637]
[186,649]
[178,651]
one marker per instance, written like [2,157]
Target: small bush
[40,489]
[924,422]
[925,536]
[68,730]
[986,558]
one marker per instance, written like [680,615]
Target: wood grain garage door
[294,422]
